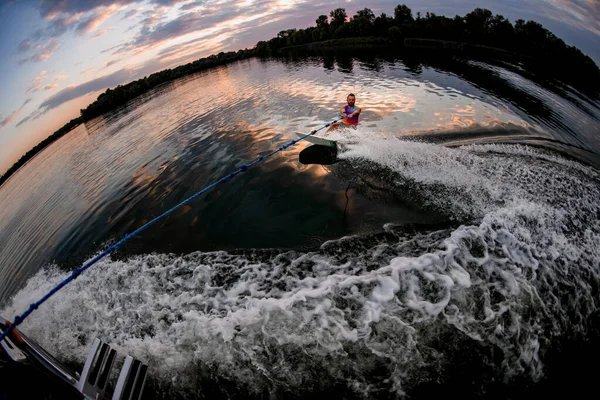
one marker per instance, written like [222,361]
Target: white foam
[505,279]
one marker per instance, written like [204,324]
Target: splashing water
[365,316]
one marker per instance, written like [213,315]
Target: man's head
[351,99]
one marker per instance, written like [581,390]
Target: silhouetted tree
[338,17]
[382,24]
[478,24]
[322,22]
[365,13]
[403,14]
[322,28]
[501,31]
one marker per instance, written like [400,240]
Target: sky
[57,56]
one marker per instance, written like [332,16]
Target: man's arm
[343,110]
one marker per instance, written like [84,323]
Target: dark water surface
[454,248]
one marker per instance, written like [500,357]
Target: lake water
[454,248]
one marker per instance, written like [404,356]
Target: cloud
[46,87]
[82,16]
[102,32]
[111,49]
[171,50]
[42,52]
[195,4]
[36,82]
[11,117]
[206,17]
[93,22]
[8,119]
[152,17]
[39,78]
[580,14]
[57,26]
[73,92]
[130,13]
[167,2]
[31,116]
[49,9]
[186,23]
[209,20]
[61,77]
[192,50]
[24,45]
[111,62]
[220,37]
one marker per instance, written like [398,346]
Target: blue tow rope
[20,318]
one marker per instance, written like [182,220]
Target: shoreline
[340,43]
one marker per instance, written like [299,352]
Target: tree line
[538,46]
[546,52]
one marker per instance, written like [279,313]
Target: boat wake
[486,301]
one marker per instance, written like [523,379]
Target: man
[350,112]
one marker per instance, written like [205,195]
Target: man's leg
[334,127]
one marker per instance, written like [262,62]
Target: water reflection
[402,106]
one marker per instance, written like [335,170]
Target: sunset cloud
[8,119]
[581,14]
[152,17]
[42,52]
[24,46]
[56,26]
[192,5]
[205,21]
[111,62]
[158,26]
[167,2]
[39,78]
[82,17]
[49,9]
[46,87]
[112,48]
[36,82]
[177,55]
[75,91]
[102,32]
[130,13]
[93,22]
[11,117]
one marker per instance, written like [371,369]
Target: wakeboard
[318,140]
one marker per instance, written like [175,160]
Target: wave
[514,273]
